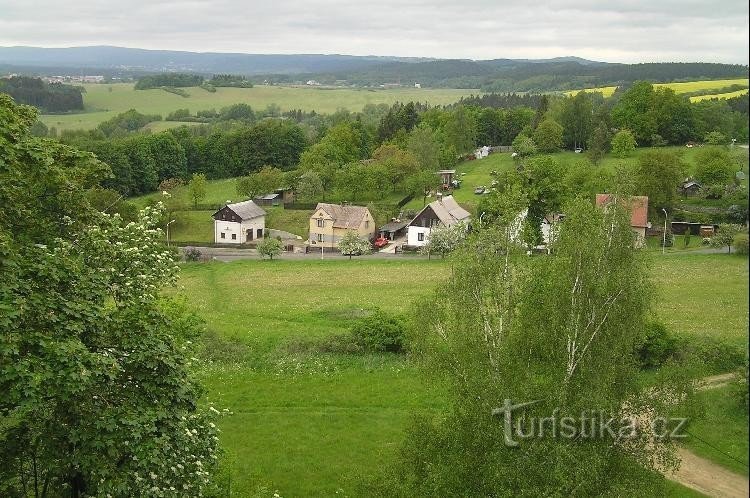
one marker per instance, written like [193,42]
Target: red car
[381,242]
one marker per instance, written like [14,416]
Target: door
[249,234]
[260,233]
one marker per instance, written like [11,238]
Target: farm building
[276,198]
[690,188]
[393,230]
[683,227]
[330,222]
[637,205]
[239,223]
[445,211]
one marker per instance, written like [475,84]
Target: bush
[742,385]
[380,332]
[741,244]
[706,241]
[192,254]
[713,355]
[659,345]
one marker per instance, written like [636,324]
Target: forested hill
[507,75]
[49,97]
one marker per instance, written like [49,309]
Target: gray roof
[393,226]
[448,211]
[344,216]
[268,197]
[246,210]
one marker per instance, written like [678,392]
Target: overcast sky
[618,31]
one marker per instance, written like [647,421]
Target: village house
[637,205]
[239,223]
[445,211]
[330,222]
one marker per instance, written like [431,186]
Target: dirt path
[703,475]
[708,478]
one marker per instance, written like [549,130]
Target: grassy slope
[101,103]
[728,95]
[310,425]
[724,426]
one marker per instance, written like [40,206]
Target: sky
[615,31]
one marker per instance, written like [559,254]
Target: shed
[393,229]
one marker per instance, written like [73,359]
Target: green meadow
[313,424]
[103,101]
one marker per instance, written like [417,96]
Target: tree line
[49,97]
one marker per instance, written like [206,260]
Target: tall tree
[658,176]
[98,397]
[487,336]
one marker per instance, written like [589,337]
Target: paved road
[231,254]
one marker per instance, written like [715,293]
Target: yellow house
[330,222]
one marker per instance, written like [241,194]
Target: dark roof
[245,210]
[344,216]
[393,226]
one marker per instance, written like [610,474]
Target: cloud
[626,31]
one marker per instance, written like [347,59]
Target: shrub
[742,385]
[686,239]
[706,241]
[741,244]
[658,346]
[380,332]
[192,254]
[713,355]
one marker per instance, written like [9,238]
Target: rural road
[703,475]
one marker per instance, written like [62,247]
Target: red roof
[637,205]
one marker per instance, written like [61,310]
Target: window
[223,235]
[234,236]
[420,236]
[321,223]
[320,237]
[367,223]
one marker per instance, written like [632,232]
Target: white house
[239,223]
[445,211]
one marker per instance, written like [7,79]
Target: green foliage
[380,332]
[48,97]
[264,181]
[460,130]
[269,247]
[351,244]
[623,144]
[443,240]
[309,187]
[658,176]
[658,346]
[230,80]
[168,80]
[725,235]
[487,335]
[715,138]
[125,122]
[197,188]
[714,166]
[741,244]
[178,115]
[524,146]
[98,396]
[548,136]
[177,91]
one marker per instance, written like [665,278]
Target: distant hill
[498,75]
[140,60]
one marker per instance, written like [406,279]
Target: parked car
[479,190]
[578,150]
[381,242]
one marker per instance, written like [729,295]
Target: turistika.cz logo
[589,424]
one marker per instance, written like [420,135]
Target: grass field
[684,87]
[311,425]
[102,101]
[723,430]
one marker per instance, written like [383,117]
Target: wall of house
[331,235]
[239,230]
[412,236]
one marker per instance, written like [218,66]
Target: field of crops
[709,87]
[102,101]
[728,95]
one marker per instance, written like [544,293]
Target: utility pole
[664,237]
